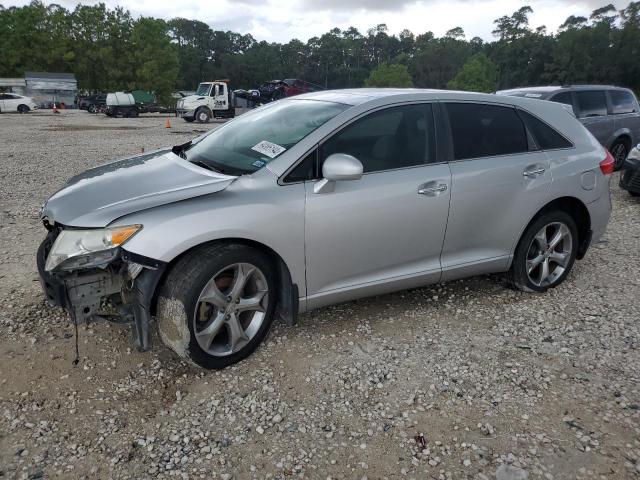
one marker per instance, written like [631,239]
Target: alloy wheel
[230,309]
[619,153]
[549,254]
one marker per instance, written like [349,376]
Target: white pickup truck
[212,100]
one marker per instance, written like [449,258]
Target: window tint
[485,130]
[546,137]
[622,102]
[395,137]
[564,97]
[591,103]
[305,170]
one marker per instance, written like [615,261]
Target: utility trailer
[121,104]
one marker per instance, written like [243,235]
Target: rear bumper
[600,213]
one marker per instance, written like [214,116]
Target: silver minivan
[611,114]
[319,199]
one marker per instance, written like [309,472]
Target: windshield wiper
[207,166]
[180,149]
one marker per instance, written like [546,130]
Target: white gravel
[462,380]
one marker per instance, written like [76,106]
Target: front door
[384,231]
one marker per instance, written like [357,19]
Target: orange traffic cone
[167,124]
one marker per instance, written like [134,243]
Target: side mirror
[338,167]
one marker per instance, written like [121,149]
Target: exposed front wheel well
[287,306]
[578,212]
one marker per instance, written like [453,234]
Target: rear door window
[591,103]
[622,102]
[480,130]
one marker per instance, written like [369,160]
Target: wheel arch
[287,299]
[621,135]
[578,211]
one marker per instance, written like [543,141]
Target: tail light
[607,165]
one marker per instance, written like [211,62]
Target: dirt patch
[84,128]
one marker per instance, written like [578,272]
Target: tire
[91,109]
[203,115]
[23,109]
[619,151]
[212,270]
[533,252]
[634,194]
[133,113]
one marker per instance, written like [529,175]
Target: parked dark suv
[611,114]
[93,103]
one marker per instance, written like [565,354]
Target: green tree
[154,59]
[479,74]
[386,75]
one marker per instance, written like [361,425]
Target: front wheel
[217,304]
[23,109]
[203,115]
[545,254]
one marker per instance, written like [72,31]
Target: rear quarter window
[545,136]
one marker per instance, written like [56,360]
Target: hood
[193,98]
[100,195]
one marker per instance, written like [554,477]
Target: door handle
[533,172]
[432,190]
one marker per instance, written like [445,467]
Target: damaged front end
[99,282]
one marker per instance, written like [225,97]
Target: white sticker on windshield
[533,95]
[269,149]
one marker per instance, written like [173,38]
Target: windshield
[203,89]
[252,140]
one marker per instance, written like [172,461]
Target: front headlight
[88,247]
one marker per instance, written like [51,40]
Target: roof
[12,82]
[554,88]
[357,96]
[70,77]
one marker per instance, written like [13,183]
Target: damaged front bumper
[124,287]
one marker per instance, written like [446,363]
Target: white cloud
[275,20]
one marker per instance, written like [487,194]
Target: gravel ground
[461,380]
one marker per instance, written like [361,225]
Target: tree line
[108,49]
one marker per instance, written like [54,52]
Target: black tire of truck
[203,115]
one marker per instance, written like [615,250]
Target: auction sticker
[269,149]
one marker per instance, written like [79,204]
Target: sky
[282,20]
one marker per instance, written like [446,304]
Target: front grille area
[631,179]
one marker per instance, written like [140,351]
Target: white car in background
[12,102]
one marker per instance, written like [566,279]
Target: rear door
[498,184]
[384,231]
[591,106]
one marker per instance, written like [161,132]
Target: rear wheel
[619,151]
[203,115]
[545,254]
[23,109]
[217,304]
[133,113]
[91,109]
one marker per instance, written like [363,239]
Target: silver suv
[319,199]
[611,114]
